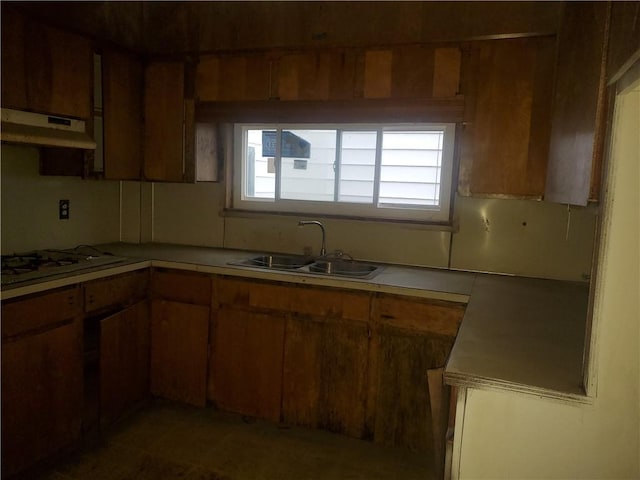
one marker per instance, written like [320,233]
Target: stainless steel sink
[324,266]
[347,268]
[281,262]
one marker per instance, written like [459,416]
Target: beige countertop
[522,334]
[518,334]
[420,282]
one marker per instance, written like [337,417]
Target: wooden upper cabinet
[412,72]
[45,69]
[122,115]
[331,74]
[164,117]
[234,78]
[59,71]
[505,140]
[14,75]
[322,75]
[579,105]
[176,148]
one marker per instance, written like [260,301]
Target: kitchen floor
[167,441]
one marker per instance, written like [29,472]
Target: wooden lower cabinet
[41,379]
[179,350]
[124,361]
[325,374]
[409,337]
[246,372]
[402,401]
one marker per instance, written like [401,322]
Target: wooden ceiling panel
[170,28]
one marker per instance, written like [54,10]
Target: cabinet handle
[387,316]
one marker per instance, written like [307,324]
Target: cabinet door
[234,78]
[412,72]
[325,374]
[124,361]
[45,69]
[41,395]
[409,338]
[164,121]
[14,77]
[402,401]
[179,349]
[505,141]
[247,363]
[59,68]
[579,121]
[122,113]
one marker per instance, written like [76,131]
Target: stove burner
[38,264]
[30,262]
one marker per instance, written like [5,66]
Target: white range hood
[44,130]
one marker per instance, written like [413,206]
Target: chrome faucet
[302,223]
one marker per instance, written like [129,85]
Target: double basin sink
[324,266]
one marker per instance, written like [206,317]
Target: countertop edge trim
[72,279]
[469,381]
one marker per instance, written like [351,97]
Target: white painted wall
[508,435]
[30,206]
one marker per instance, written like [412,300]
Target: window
[400,171]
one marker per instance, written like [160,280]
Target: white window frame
[417,213]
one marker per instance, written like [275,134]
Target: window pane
[260,178]
[382,171]
[410,167]
[357,167]
[307,165]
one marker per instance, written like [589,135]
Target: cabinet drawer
[38,312]
[185,287]
[414,314]
[235,292]
[120,290]
[331,302]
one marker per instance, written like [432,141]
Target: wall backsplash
[521,237]
[30,206]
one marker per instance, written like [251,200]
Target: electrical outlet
[63,209]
